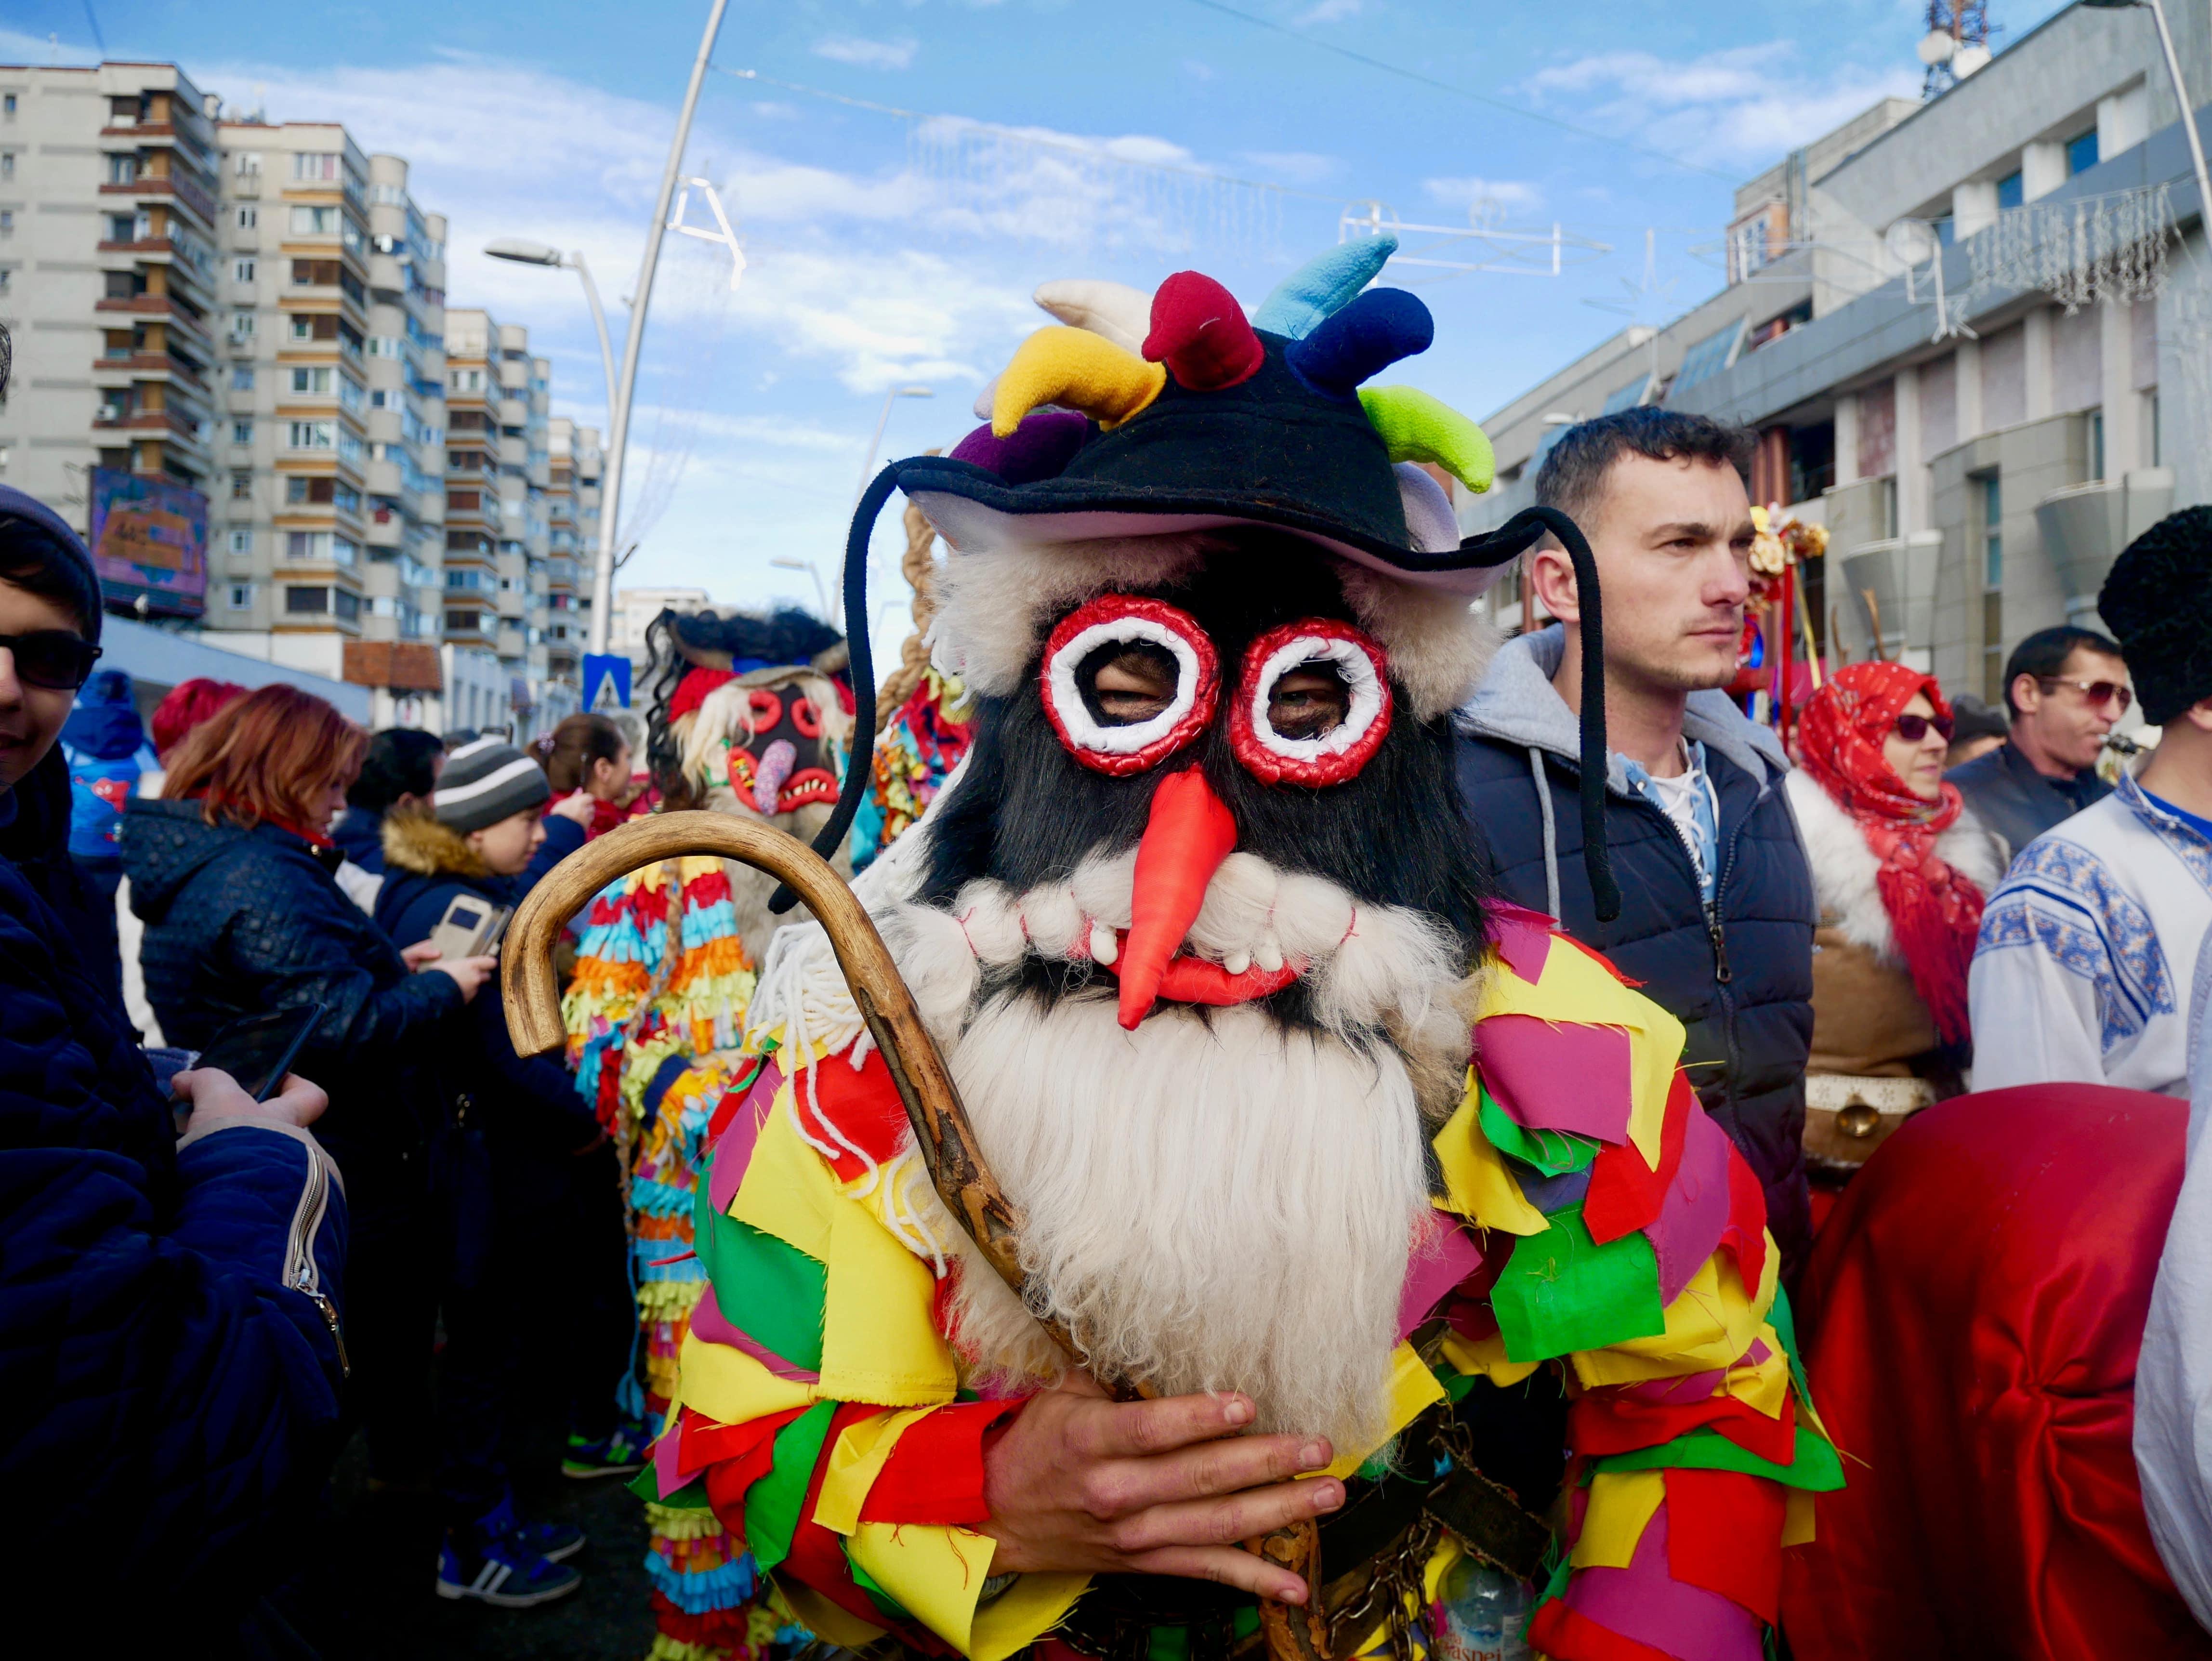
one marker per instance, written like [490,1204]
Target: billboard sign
[149,541]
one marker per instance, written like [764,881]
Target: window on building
[241,270]
[122,169]
[464,622]
[2096,444]
[122,227]
[1991,488]
[241,432]
[2012,191]
[311,381]
[2082,152]
[347,498]
[306,601]
[241,540]
[241,325]
[310,165]
[248,217]
[6,222]
[7,164]
[241,378]
[8,106]
[313,435]
[1709,357]
[297,490]
[246,164]
[241,486]
[241,596]
[315,221]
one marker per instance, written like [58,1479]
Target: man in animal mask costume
[1384,1188]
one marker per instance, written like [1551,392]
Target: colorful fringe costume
[1590,1215]
[919,747]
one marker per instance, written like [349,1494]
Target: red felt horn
[1202,335]
[1188,834]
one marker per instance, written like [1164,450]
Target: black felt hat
[2158,600]
[1216,420]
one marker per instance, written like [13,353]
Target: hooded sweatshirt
[1736,971]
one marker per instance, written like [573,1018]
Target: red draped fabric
[1971,1314]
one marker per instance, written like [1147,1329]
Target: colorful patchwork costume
[655,1016]
[1287,1100]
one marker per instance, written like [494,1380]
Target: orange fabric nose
[1189,834]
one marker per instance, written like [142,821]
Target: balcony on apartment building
[141,293]
[315,282]
[150,163]
[318,607]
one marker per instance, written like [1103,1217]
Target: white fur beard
[1210,1204]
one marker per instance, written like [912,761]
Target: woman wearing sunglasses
[1901,870]
[169,1349]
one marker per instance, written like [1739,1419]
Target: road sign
[606,681]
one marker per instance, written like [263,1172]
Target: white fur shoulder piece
[1845,868]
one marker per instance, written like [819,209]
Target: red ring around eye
[804,718]
[1117,619]
[766,709]
[1334,756]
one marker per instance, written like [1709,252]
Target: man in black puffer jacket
[1717,907]
[169,1310]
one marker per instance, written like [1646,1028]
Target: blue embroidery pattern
[2188,845]
[2060,898]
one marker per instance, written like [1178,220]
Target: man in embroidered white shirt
[2089,947]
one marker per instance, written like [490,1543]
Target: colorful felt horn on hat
[1367,334]
[1075,369]
[1323,285]
[1415,427]
[1200,332]
[1121,313]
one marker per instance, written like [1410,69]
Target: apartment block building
[1972,336]
[108,286]
[231,372]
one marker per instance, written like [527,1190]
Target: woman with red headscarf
[1901,870]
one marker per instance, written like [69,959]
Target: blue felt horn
[1361,339]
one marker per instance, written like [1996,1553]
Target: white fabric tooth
[1103,946]
[1237,962]
[1268,954]
[1056,922]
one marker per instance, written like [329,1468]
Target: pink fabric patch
[1523,937]
[1445,1254]
[1645,1601]
[666,1476]
[1686,1390]
[733,1151]
[1558,1076]
[716,1328]
[1696,1208]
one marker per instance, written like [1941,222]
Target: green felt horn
[1418,427]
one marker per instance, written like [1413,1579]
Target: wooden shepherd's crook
[964,1182]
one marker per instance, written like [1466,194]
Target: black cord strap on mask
[859,763]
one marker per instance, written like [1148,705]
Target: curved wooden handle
[963,1181]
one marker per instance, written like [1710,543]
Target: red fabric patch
[691,691]
[1601,1422]
[701,1442]
[935,1473]
[1626,1195]
[721,1628]
[817,1554]
[730,1478]
[1746,1233]
[1564,1635]
[1724,1534]
[865,1106]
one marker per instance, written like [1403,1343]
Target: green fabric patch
[1555,1153]
[1562,1292]
[1816,1468]
[1784,1323]
[692,1496]
[779,1287]
[1168,1644]
[773,1504]
[888,1606]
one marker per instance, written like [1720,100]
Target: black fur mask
[1027,811]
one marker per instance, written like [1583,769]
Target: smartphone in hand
[258,1050]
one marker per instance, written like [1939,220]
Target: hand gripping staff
[940,1124]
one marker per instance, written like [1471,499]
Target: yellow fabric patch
[878,1344]
[1710,1325]
[825,1619]
[1577,989]
[730,1387]
[1621,1504]
[1477,1184]
[787,1190]
[1486,1357]
[1765,1386]
[1411,1388]
[1797,1516]
[855,1463]
[937,1573]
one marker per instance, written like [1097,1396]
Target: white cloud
[1741,105]
[866,54]
[1296,166]
[1470,192]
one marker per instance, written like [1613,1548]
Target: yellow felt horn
[1076,370]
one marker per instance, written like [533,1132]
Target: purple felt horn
[1040,447]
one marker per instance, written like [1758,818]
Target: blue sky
[1046,138]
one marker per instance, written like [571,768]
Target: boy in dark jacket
[169,1310]
[535,1168]
[1717,906]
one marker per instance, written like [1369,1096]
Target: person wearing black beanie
[2090,946]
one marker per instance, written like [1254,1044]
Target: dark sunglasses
[52,658]
[2094,691]
[1913,728]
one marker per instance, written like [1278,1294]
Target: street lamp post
[875,440]
[620,390]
